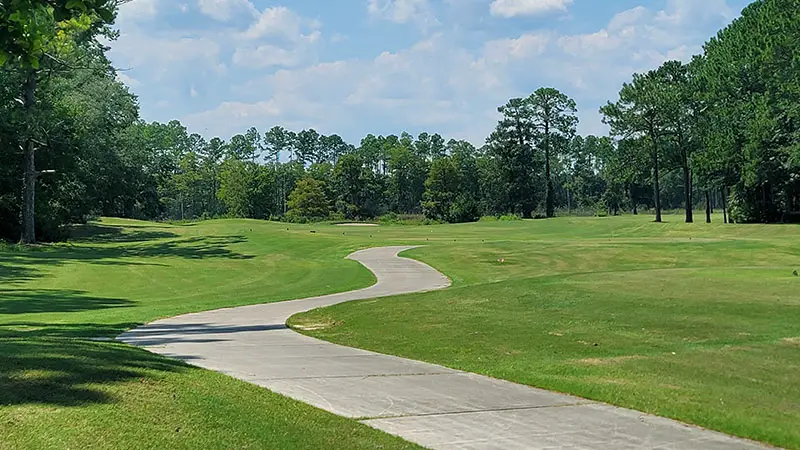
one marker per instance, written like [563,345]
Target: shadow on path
[193,332]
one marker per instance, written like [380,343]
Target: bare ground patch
[356,224]
[607,361]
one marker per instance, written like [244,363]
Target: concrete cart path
[434,406]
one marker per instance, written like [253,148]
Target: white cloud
[268,55]
[526,46]
[167,56]
[686,12]
[224,10]
[443,83]
[402,11]
[279,21]
[429,86]
[339,37]
[279,38]
[139,9]
[629,17]
[127,80]
[513,8]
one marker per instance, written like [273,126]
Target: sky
[354,67]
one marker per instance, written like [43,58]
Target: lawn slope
[61,387]
[691,321]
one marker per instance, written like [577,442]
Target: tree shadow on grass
[26,263]
[103,234]
[13,272]
[35,330]
[71,372]
[24,301]
[62,365]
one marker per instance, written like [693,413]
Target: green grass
[61,389]
[697,322]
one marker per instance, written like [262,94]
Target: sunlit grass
[722,298]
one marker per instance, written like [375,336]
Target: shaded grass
[61,388]
[67,393]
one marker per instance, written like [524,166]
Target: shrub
[501,218]
[388,218]
[307,202]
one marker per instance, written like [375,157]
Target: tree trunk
[633,200]
[569,202]
[656,185]
[549,199]
[29,157]
[708,208]
[724,206]
[687,188]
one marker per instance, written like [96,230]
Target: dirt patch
[793,341]
[615,381]
[356,224]
[612,360]
[313,326]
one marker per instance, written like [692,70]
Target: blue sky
[354,67]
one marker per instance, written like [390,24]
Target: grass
[697,322]
[61,388]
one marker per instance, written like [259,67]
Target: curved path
[424,403]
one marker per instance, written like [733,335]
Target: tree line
[720,131]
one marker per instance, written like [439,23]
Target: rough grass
[721,298]
[696,322]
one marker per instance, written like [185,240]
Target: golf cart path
[431,405]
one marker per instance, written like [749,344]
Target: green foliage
[554,120]
[358,189]
[29,28]
[234,188]
[501,218]
[407,173]
[725,124]
[512,145]
[748,75]
[406,219]
[308,202]
[447,196]
[587,161]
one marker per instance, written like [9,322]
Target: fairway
[696,322]
[62,388]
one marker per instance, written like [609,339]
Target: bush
[741,209]
[501,218]
[336,217]
[307,202]
[406,219]
[601,209]
[388,218]
[464,209]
